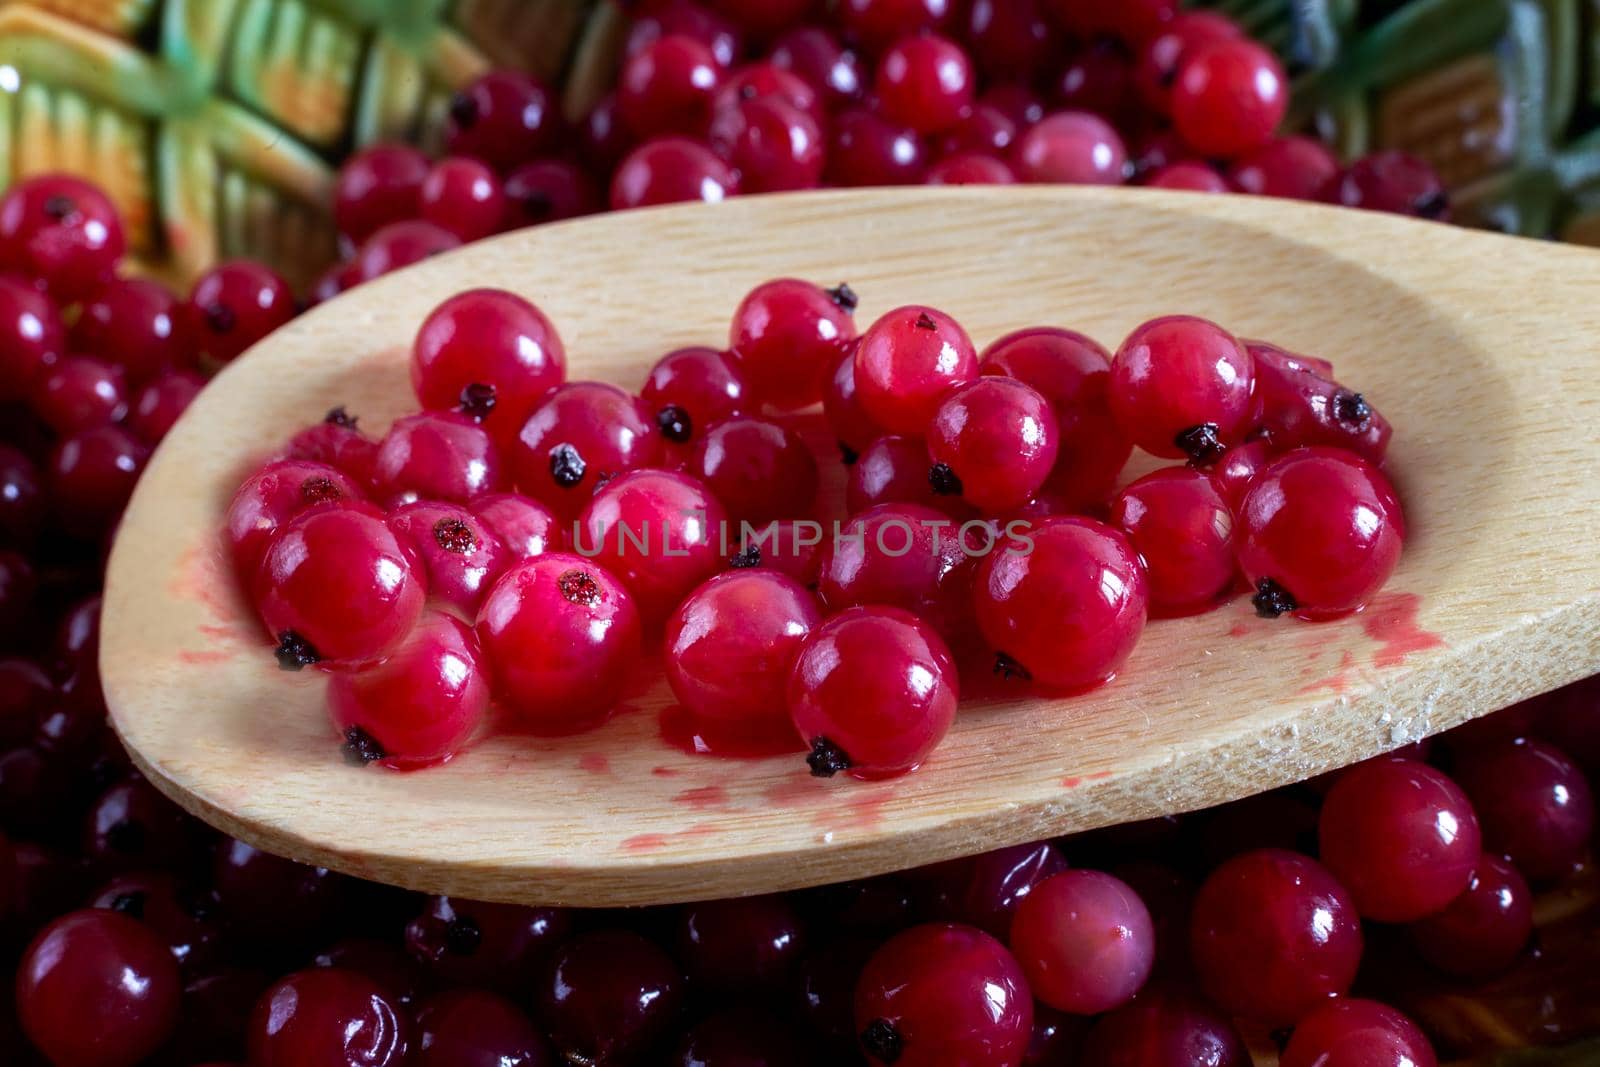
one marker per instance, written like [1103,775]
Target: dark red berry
[378,185]
[504,118]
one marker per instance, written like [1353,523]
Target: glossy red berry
[504,118]
[768,81]
[688,18]
[1068,613]
[993,442]
[1085,941]
[580,435]
[1010,38]
[92,475]
[562,635]
[872,692]
[662,533]
[1484,930]
[906,556]
[1357,1033]
[741,943]
[925,82]
[459,555]
[603,140]
[32,338]
[850,423]
[1016,101]
[668,170]
[985,130]
[133,825]
[80,393]
[1535,805]
[1164,1027]
[437,455]
[760,470]
[788,546]
[905,364]
[183,917]
[894,470]
[786,336]
[610,996]
[984,890]
[1163,54]
[1097,78]
[524,527]
[471,1028]
[667,87]
[465,197]
[327,1017]
[378,185]
[339,443]
[1298,404]
[1190,176]
[161,402]
[399,245]
[690,390]
[865,149]
[971,168]
[1183,529]
[472,943]
[234,305]
[1229,98]
[1295,167]
[815,55]
[1320,531]
[271,901]
[878,23]
[773,145]
[98,989]
[940,995]
[1391,181]
[274,495]
[1236,471]
[62,231]
[136,324]
[1273,935]
[548,190]
[337,586]
[1072,147]
[1181,387]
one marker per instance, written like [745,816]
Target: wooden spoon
[1481,349]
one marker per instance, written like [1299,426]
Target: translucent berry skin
[788,547]
[894,470]
[970,168]
[668,170]
[32,338]
[701,382]
[465,197]
[998,437]
[471,1028]
[1535,805]
[548,190]
[1071,147]
[1072,373]
[1323,524]
[162,401]
[985,130]
[92,475]
[342,581]
[1352,1032]
[561,650]
[1194,177]
[1229,98]
[1298,168]
[731,643]
[605,428]
[688,18]
[327,1017]
[786,335]
[337,443]
[378,185]
[759,469]
[1236,471]
[234,305]
[904,368]
[437,455]
[842,407]
[815,55]
[137,324]
[525,528]
[1070,611]
[1391,181]
[472,943]
[1163,53]
[767,80]
[984,890]
[1485,929]
[1299,404]
[1273,935]
[80,393]
[667,87]
[879,685]
[925,82]
[1401,836]
[1084,940]
[1183,529]
[62,231]
[774,145]
[1177,373]
[97,989]
[459,555]
[399,245]
[677,520]
[943,995]
[504,118]
[865,149]
[610,996]
[488,337]
[906,556]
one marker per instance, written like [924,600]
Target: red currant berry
[1010,38]
[1097,79]
[1273,935]
[548,190]
[1536,805]
[894,470]
[1237,470]
[1394,182]
[1074,147]
[460,557]
[1084,940]
[996,438]
[787,546]
[1165,51]
[98,989]
[490,353]
[602,139]
[441,455]
[92,475]
[1357,1033]
[24,689]
[420,705]
[160,403]
[1320,531]
[690,389]
[971,169]
[471,1028]
[1132,21]
[758,81]
[906,556]
[925,82]
[1182,387]
[1569,718]
[905,364]
[339,278]
[32,338]
[17,588]
[985,130]
[1068,613]
[234,305]
[741,943]
[504,118]
[841,406]
[984,890]
[327,1017]
[464,197]
[1229,98]
[1483,931]
[873,692]
[1164,1027]
[1073,374]
[80,393]
[1295,167]
[525,528]
[378,185]
[493,946]
[610,996]
[337,585]
[1016,101]
[659,532]
[1183,530]
[137,324]
[786,335]
[760,470]
[730,645]
[665,18]
[669,170]
[1193,177]
[184,919]
[133,825]
[878,23]
[815,55]
[271,901]
[772,144]
[581,434]
[866,149]
[62,231]
[337,442]
[764,18]
[1298,403]
[668,87]
[562,635]
[943,994]
[399,245]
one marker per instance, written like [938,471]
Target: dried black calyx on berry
[844,296]
[882,1041]
[340,417]
[747,91]
[675,424]
[944,480]
[463,110]
[477,401]
[925,322]
[1352,408]
[826,759]
[536,203]
[1201,443]
[60,208]
[295,652]
[1006,667]
[566,466]
[220,318]
[130,904]
[319,491]
[848,455]
[579,587]
[746,558]
[1432,205]
[462,937]
[1272,599]
[454,535]
[361,748]
[126,837]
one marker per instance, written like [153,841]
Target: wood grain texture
[1481,349]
